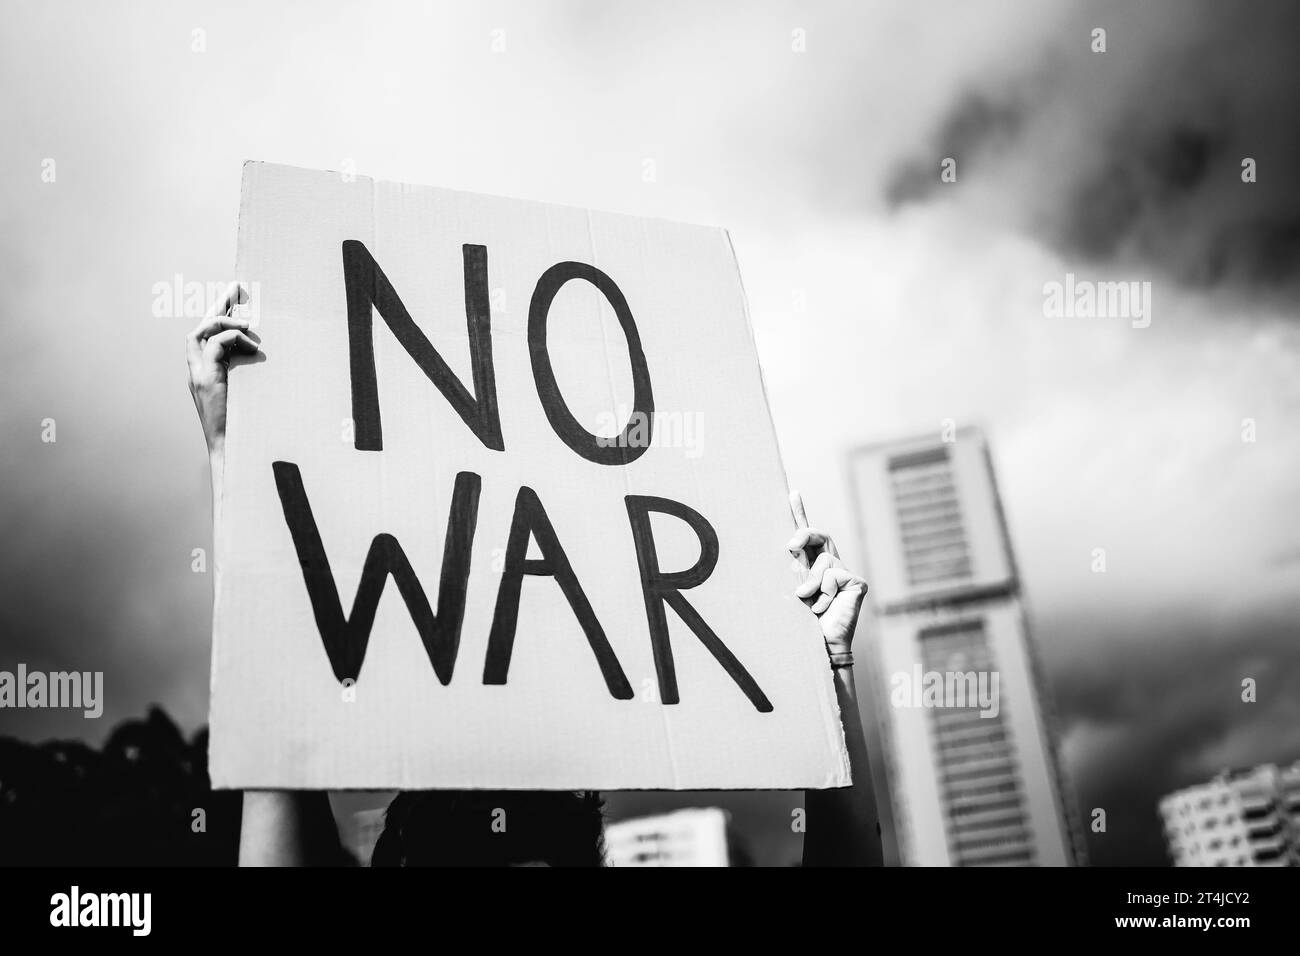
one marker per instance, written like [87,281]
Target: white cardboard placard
[370,427]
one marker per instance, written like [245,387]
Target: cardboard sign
[503,507]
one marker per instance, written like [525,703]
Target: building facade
[695,837]
[962,717]
[1240,818]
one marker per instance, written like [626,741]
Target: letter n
[368,289]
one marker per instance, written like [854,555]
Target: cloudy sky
[884,301]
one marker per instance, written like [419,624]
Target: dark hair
[492,828]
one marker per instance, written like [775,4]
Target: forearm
[217,470]
[288,828]
[841,824]
[281,827]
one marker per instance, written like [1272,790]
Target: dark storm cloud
[1158,127]
[1155,736]
[976,126]
[89,581]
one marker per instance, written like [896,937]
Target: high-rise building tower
[1240,818]
[961,710]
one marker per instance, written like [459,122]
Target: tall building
[962,716]
[1240,818]
[695,837]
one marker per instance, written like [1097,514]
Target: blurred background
[886,302]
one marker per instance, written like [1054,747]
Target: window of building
[979,775]
[929,518]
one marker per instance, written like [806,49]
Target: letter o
[615,451]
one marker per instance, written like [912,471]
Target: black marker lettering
[606,451]
[368,289]
[665,587]
[345,639]
[530,521]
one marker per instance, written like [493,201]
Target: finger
[821,540]
[797,509]
[235,294]
[222,345]
[210,327]
[800,521]
[835,581]
[812,583]
[819,606]
[807,538]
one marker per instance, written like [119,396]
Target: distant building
[1240,818]
[683,838]
[959,705]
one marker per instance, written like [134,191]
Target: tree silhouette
[144,800]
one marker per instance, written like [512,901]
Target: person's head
[492,828]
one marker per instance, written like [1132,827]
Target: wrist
[216,442]
[840,652]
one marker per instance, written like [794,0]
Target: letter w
[369,289]
[345,639]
